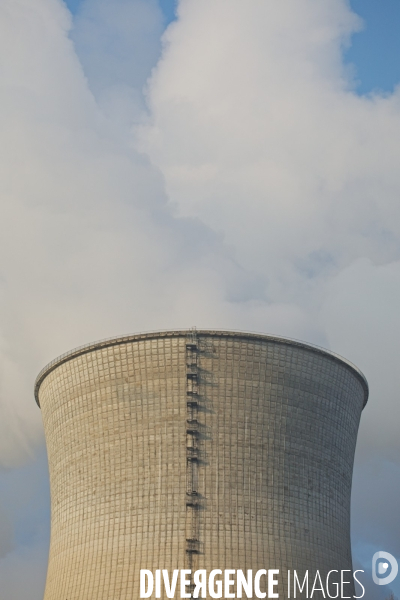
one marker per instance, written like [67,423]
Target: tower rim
[171,333]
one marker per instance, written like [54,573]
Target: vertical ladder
[192,452]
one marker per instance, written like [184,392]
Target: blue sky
[374,51]
[167,6]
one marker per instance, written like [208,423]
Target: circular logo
[381,561]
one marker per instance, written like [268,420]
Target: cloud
[24,530]
[118,43]
[256,129]
[90,245]
[224,176]
[258,132]
[360,316]
[78,233]
[22,574]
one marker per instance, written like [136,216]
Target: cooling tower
[196,450]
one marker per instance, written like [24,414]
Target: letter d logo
[380,568]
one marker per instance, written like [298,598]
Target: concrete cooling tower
[197,450]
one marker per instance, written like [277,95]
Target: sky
[227,164]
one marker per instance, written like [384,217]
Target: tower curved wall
[197,450]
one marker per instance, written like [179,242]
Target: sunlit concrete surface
[198,450]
